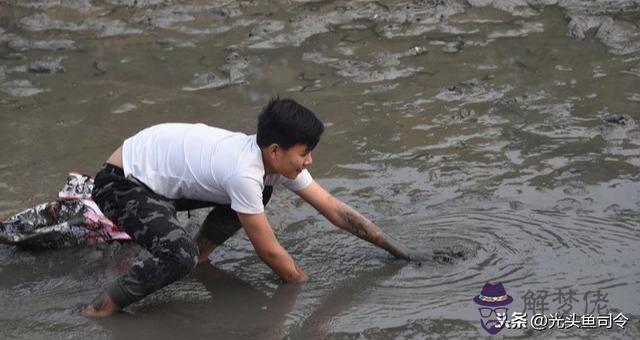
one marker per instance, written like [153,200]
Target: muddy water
[505,131]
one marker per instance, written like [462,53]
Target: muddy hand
[441,256]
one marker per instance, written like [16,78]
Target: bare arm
[269,250]
[347,218]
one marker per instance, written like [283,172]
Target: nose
[308,160]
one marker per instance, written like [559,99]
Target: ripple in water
[447,251]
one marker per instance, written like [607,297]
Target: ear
[273,150]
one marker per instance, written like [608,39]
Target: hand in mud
[440,256]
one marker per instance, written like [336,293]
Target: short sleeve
[303,180]
[245,194]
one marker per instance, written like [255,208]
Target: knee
[184,256]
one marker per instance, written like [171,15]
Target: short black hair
[287,123]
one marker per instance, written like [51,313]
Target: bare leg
[205,247]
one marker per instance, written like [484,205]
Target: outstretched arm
[347,218]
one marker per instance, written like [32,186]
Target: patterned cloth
[72,221]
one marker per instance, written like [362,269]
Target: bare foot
[101,307]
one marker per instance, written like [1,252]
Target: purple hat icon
[493,295]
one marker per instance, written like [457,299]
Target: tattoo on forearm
[355,223]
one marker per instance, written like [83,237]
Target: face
[292,161]
[493,319]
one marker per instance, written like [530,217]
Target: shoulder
[247,155]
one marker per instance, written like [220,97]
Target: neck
[268,168]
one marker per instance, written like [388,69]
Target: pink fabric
[78,187]
[98,222]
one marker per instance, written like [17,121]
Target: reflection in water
[341,298]
[233,308]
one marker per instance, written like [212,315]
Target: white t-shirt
[201,162]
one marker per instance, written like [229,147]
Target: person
[172,167]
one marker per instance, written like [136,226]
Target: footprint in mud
[446,251]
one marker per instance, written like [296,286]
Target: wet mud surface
[500,136]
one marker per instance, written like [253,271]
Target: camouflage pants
[150,219]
